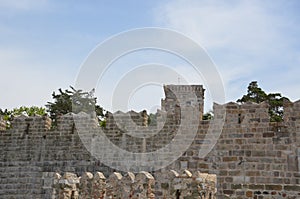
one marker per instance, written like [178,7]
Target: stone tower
[178,96]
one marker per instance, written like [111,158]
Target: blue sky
[43,44]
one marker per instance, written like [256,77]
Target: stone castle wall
[129,185]
[252,158]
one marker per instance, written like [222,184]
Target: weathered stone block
[273,187]
[292,188]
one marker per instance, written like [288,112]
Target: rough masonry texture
[140,186]
[252,157]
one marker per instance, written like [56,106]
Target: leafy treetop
[208,116]
[73,101]
[275,100]
[8,115]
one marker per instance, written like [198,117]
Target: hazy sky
[43,44]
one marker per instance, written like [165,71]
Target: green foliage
[152,120]
[208,116]
[275,101]
[102,123]
[74,101]
[8,115]
[255,94]
[30,111]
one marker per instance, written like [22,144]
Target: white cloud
[248,40]
[245,25]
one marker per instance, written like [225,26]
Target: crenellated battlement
[179,97]
[130,118]
[244,113]
[130,185]
[238,113]
[291,111]
[29,125]
[2,124]
[184,88]
[250,156]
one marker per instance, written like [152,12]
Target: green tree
[74,101]
[275,100]
[8,115]
[30,111]
[5,114]
[152,119]
[208,116]
[255,94]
